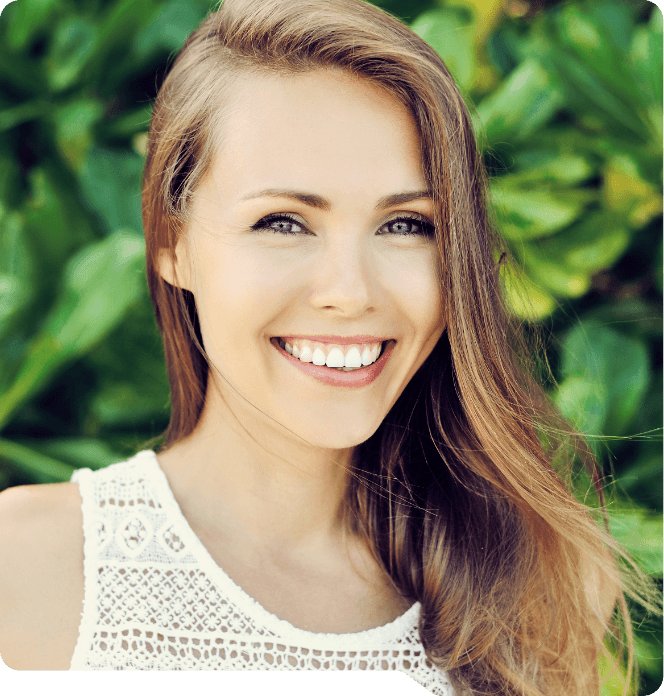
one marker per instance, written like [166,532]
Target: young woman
[358,473]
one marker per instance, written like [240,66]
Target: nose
[344,279]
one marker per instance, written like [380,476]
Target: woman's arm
[41,575]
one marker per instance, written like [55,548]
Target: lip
[338,340]
[361,377]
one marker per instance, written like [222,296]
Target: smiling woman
[358,473]
[312,256]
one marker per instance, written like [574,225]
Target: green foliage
[449,31]
[568,109]
[605,377]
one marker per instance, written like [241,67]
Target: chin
[340,436]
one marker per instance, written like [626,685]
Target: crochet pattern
[156,600]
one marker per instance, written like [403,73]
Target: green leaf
[628,194]
[586,92]
[124,404]
[133,385]
[583,402]
[79,452]
[88,310]
[26,19]
[536,167]
[638,479]
[21,113]
[555,277]
[73,43]
[594,243]
[631,316]
[101,282]
[659,261]
[15,269]
[449,31]
[12,184]
[107,61]
[522,103]
[524,298]
[600,41]
[128,124]
[645,57]
[55,224]
[21,74]
[641,533]
[529,213]
[613,367]
[168,30]
[73,129]
[41,468]
[110,181]
[648,653]
[612,678]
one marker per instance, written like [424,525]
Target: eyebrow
[316,201]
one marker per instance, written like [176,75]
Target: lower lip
[338,378]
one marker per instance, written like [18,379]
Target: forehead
[324,130]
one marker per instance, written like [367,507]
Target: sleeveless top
[156,600]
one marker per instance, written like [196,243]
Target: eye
[279,223]
[407,226]
[402,226]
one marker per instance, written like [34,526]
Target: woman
[357,474]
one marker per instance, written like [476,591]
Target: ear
[174,267]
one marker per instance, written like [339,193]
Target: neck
[237,474]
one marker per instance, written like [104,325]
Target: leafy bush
[569,111]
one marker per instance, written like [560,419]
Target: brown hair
[456,492]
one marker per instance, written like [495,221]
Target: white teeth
[335,358]
[353,358]
[318,357]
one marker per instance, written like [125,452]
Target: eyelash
[427,229]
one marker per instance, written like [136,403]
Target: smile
[354,365]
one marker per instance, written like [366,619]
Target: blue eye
[402,226]
[407,226]
[279,224]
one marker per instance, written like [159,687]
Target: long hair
[460,492]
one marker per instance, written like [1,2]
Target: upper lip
[339,340]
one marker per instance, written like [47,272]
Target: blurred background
[567,98]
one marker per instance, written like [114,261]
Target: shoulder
[39,520]
[41,576]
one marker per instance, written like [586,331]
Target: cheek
[414,281]
[239,292]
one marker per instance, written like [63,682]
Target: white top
[156,600]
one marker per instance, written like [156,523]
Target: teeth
[315,354]
[353,358]
[318,357]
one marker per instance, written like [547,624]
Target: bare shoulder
[41,576]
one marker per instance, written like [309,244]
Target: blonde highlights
[460,491]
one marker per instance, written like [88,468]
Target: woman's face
[314,227]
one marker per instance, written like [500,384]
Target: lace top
[156,600]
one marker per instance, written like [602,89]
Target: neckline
[378,636]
